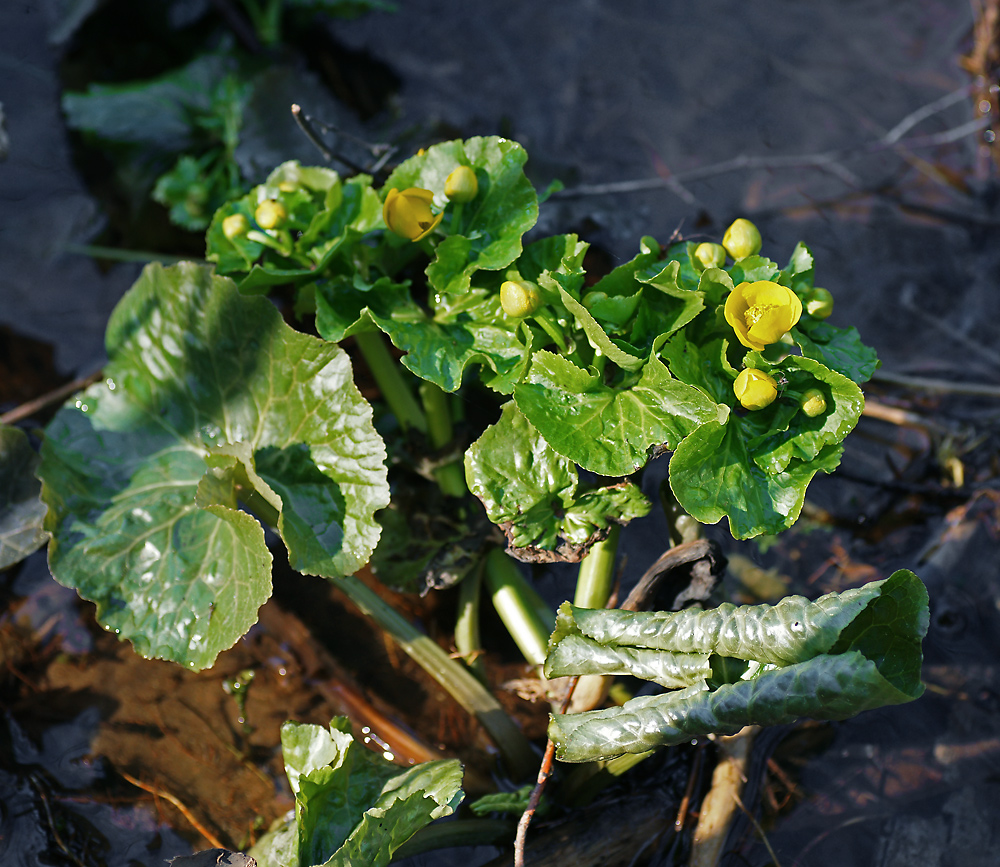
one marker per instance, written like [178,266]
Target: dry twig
[185,812]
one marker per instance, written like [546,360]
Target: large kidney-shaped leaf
[353,806]
[713,475]
[829,659]
[21,511]
[609,430]
[487,234]
[531,491]
[209,399]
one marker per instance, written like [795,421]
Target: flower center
[754,313]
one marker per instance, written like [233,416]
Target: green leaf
[352,806]
[596,334]
[175,112]
[343,305]
[471,330]
[840,349]
[608,430]
[753,268]
[22,512]
[488,233]
[195,188]
[713,475]
[783,433]
[830,659]
[210,399]
[531,490]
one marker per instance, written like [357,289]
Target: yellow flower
[461,185]
[235,226]
[813,402]
[270,214]
[761,312]
[754,389]
[741,239]
[710,255]
[520,298]
[408,213]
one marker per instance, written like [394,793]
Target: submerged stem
[459,683]
[391,383]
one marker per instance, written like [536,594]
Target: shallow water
[904,234]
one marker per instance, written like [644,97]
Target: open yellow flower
[761,312]
[754,389]
[408,213]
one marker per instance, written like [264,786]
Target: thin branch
[920,383]
[826,160]
[759,829]
[58,395]
[926,111]
[160,793]
[303,121]
[544,772]
[381,152]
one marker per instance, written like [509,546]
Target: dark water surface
[803,117]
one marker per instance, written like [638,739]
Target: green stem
[467,641]
[394,388]
[517,604]
[450,477]
[456,217]
[544,318]
[597,571]
[451,675]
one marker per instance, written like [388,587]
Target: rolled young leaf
[830,659]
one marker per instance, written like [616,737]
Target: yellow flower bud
[288,186]
[754,389]
[819,303]
[461,185]
[235,226]
[408,213]
[520,298]
[710,255]
[270,214]
[760,313]
[741,239]
[813,402]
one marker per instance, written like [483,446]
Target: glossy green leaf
[604,429]
[596,334]
[487,234]
[830,659]
[714,475]
[532,491]
[352,806]
[839,349]
[472,330]
[783,433]
[22,513]
[210,400]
